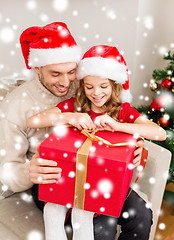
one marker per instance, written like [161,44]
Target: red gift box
[99,183]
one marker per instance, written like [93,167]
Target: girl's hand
[105,122]
[81,121]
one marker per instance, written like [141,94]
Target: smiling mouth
[61,89]
[97,99]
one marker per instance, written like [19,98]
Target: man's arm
[14,167]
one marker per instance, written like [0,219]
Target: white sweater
[17,142]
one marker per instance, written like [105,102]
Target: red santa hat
[50,44]
[106,62]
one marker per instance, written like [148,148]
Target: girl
[102,101]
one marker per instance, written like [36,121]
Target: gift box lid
[62,145]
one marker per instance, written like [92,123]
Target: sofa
[21,220]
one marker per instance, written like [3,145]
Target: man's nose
[65,80]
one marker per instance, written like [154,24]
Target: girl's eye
[89,88]
[104,86]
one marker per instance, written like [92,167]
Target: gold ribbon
[81,164]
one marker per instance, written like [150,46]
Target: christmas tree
[161,110]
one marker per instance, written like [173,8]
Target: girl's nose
[96,91]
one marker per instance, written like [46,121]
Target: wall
[139,28]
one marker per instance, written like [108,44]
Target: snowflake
[35,234]
[137,52]
[92,149]
[65,155]
[60,130]
[71,174]
[152,180]
[86,25]
[105,186]
[80,167]
[94,194]
[125,215]
[7,35]
[102,209]
[76,225]
[60,5]
[68,205]
[26,197]
[149,22]
[17,146]
[107,195]
[44,17]
[2,152]
[87,186]
[148,205]
[137,19]
[4,188]
[145,34]
[31,4]
[110,13]
[162,50]
[140,168]
[162,226]
[68,229]
[77,144]
[75,13]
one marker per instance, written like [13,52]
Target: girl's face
[98,91]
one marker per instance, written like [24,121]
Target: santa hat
[106,62]
[50,44]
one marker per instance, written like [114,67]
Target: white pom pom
[29,74]
[126,96]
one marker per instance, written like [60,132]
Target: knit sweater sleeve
[13,166]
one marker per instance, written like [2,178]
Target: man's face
[57,77]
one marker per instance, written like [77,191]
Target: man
[52,53]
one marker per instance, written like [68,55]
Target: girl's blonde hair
[112,106]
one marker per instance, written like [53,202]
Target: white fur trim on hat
[43,57]
[125,96]
[102,67]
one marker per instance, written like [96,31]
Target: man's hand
[43,171]
[138,153]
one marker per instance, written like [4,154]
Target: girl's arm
[143,127]
[53,116]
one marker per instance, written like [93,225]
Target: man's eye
[72,72]
[55,75]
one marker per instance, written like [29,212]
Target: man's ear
[37,70]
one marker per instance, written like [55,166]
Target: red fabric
[127,113]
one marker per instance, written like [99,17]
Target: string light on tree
[161,109]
